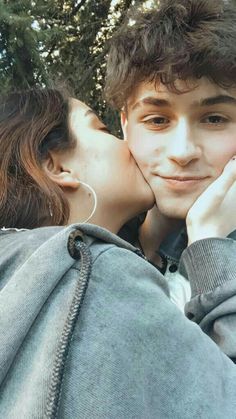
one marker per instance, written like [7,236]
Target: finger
[228,176]
[217,190]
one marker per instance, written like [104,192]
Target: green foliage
[49,40]
[21,64]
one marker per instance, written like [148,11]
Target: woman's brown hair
[32,123]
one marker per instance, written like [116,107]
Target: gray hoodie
[87,330]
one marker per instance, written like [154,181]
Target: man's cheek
[142,161]
[145,169]
[140,151]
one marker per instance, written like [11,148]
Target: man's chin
[175,205]
[174,212]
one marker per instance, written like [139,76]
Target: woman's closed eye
[98,124]
[105,129]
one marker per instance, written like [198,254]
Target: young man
[172,73]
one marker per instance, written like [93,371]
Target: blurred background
[43,41]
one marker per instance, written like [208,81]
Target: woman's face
[105,163]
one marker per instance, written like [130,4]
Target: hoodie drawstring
[80,251]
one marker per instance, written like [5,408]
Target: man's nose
[184,146]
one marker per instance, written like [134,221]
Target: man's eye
[157,120]
[214,120]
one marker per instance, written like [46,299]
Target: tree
[46,40]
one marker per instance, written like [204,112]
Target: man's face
[181,142]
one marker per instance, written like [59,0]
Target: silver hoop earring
[94,197]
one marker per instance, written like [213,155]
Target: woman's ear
[59,172]
[124,122]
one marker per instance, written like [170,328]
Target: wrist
[201,233]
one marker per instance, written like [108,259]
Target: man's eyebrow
[217,100]
[154,101]
[214,100]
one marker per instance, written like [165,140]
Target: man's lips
[184,178]
[183,182]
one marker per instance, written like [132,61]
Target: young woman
[86,326]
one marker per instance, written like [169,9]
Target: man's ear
[60,173]
[124,123]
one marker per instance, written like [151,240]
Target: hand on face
[214,213]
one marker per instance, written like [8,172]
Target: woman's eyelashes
[105,129]
[99,125]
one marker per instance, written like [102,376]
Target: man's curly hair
[179,39]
